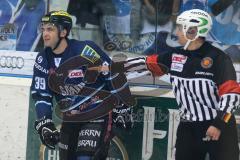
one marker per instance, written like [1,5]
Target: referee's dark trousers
[191,143]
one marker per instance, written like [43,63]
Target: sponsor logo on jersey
[87,143]
[177,67]
[90,132]
[90,54]
[57,61]
[204,73]
[176,58]
[39,59]
[76,73]
[40,68]
[206,62]
[89,137]
[178,62]
[71,90]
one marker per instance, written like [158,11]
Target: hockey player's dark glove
[49,135]
[122,116]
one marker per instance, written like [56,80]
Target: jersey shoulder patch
[90,54]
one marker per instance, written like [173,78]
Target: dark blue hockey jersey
[46,62]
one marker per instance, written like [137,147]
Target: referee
[205,87]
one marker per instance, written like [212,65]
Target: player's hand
[122,116]
[213,133]
[49,135]
[138,64]
[157,69]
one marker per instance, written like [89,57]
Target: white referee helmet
[197,18]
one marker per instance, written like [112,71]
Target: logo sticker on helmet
[45,19]
[195,18]
[204,22]
[61,13]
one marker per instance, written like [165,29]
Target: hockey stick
[109,99]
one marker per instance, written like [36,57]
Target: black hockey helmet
[58,18]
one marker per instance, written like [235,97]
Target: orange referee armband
[154,67]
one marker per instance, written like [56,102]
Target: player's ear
[63,33]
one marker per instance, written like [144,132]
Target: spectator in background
[155,12]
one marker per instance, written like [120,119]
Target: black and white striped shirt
[204,82]
[197,98]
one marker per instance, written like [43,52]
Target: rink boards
[152,137]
